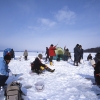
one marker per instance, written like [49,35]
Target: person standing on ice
[66,54]
[37,66]
[76,55]
[4,71]
[52,53]
[25,54]
[47,54]
[95,62]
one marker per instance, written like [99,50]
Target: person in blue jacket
[4,71]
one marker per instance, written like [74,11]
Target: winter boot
[77,64]
[51,63]
[50,70]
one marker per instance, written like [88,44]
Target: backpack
[13,91]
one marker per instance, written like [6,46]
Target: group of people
[36,66]
[78,54]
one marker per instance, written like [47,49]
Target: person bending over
[4,71]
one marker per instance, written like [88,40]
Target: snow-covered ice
[68,82]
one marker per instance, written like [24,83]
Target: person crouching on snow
[95,62]
[4,71]
[37,65]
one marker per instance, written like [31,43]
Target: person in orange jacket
[51,53]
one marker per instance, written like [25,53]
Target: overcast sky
[36,24]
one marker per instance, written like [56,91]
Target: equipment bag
[13,91]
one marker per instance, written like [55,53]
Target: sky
[68,82]
[36,24]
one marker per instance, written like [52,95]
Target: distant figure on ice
[4,71]
[89,57]
[37,66]
[25,54]
[66,54]
[95,62]
[52,49]
[76,55]
[47,54]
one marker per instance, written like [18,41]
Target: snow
[68,82]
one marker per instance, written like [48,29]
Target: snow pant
[3,79]
[65,58]
[97,78]
[51,58]
[47,57]
[25,57]
[76,59]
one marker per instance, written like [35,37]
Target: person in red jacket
[52,52]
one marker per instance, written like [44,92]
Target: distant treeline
[97,49]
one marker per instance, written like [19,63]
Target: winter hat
[7,57]
[40,56]
[77,45]
[52,45]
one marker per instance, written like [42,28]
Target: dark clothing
[25,57]
[51,58]
[76,54]
[47,54]
[37,64]
[3,79]
[97,70]
[12,53]
[89,57]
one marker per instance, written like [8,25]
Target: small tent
[10,51]
[59,53]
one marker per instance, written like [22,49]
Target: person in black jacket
[76,55]
[95,62]
[37,64]
[89,57]
[47,54]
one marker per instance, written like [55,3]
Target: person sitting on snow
[37,65]
[95,62]
[4,71]
[89,57]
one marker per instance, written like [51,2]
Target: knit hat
[52,45]
[40,56]
[7,57]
